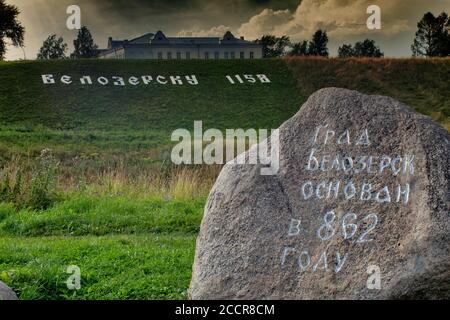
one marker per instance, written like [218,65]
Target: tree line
[55,48]
[432,39]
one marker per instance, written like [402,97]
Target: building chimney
[242,38]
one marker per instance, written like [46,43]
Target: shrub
[29,185]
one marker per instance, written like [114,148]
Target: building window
[169,55]
[178,55]
[206,55]
[233,55]
[188,55]
[226,55]
[160,56]
[216,55]
[242,55]
[252,55]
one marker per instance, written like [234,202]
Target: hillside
[24,99]
[96,118]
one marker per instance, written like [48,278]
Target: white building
[158,46]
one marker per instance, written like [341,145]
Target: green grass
[131,233]
[84,214]
[30,140]
[114,206]
[126,247]
[112,267]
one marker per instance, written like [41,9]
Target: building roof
[146,38]
[193,40]
[160,38]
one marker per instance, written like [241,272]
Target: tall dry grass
[38,182]
[28,183]
[171,182]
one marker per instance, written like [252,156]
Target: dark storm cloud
[169,5]
[191,14]
[131,9]
[276,4]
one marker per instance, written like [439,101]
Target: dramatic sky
[344,20]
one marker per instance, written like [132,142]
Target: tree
[366,48]
[274,46]
[316,47]
[10,27]
[299,48]
[346,51]
[432,37]
[446,37]
[318,44]
[53,48]
[84,45]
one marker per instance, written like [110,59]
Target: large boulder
[6,293]
[359,209]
